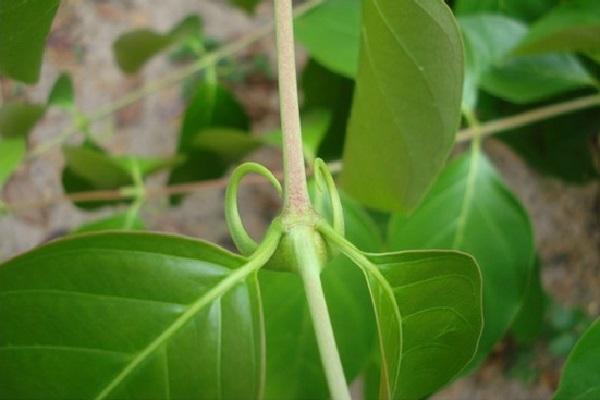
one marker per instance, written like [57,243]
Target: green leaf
[529,322]
[428,311]
[532,78]
[134,49]
[230,144]
[88,168]
[490,64]
[325,90]
[12,152]
[18,119]
[407,103]
[572,26]
[130,315]
[331,34]
[62,93]
[470,209]
[520,9]
[23,32]
[247,5]
[121,221]
[212,107]
[294,370]
[439,297]
[581,374]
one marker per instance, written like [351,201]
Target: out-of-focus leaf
[130,315]
[331,34]
[529,322]
[88,168]
[470,209]
[325,90]
[12,152]
[520,9]
[212,107]
[18,119]
[24,27]
[230,144]
[581,374]
[315,124]
[133,49]
[407,103]
[247,5]
[571,26]
[490,64]
[62,93]
[122,221]
[528,79]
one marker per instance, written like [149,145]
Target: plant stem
[310,270]
[528,117]
[296,199]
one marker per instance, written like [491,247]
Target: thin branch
[528,117]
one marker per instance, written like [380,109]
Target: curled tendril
[244,243]
[325,183]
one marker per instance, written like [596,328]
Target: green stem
[303,240]
[296,200]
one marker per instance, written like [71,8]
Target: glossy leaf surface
[126,315]
[438,294]
[331,34]
[407,103]
[23,32]
[470,209]
[572,26]
[581,374]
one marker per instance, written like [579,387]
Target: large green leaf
[438,294]
[293,365]
[130,315]
[572,26]
[470,209]
[581,374]
[521,9]
[23,31]
[407,102]
[212,107]
[428,310]
[529,322]
[331,34]
[490,64]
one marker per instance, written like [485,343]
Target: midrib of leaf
[261,256]
[468,196]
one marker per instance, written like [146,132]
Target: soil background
[565,217]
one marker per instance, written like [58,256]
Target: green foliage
[581,374]
[571,26]
[123,221]
[470,209]
[247,5]
[490,64]
[331,34]
[529,322]
[407,102]
[62,93]
[127,314]
[24,27]
[520,9]
[134,49]
[18,119]
[12,152]
[212,108]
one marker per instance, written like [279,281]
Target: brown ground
[565,217]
